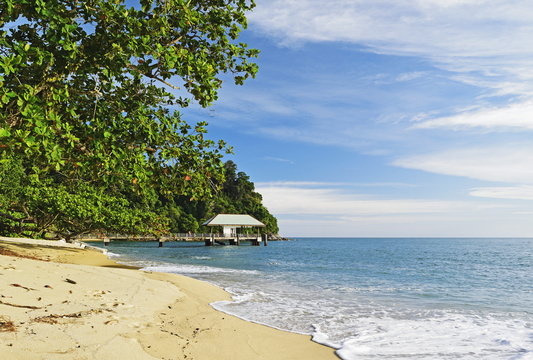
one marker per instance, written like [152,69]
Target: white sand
[113,313]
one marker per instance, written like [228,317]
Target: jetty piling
[209,241]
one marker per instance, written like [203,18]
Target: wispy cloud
[277,159]
[331,201]
[410,76]
[481,30]
[485,43]
[319,184]
[522,192]
[384,78]
[514,116]
[503,163]
[313,209]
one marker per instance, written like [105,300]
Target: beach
[60,302]
[369,298]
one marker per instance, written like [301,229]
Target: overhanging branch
[135,68]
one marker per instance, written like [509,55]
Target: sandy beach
[73,303]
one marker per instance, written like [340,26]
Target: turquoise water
[372,298]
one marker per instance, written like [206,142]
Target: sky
[387,118]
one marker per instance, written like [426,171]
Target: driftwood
[21,286]
[20,306]
[54,318]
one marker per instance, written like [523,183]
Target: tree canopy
[90,93]
[236,196]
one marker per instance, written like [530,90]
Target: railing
[169,237]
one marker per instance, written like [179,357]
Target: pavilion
[230,223]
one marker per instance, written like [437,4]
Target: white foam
[362,329]
[193,269]
[202,257]
[454,336]
[219,305]
[322,338]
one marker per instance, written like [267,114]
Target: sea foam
[193,269]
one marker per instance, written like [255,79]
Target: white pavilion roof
[233,220]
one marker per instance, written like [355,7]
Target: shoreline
[110,309]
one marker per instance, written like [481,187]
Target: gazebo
[230,223]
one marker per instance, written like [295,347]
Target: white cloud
[410,76]
[306,210]
[519,116]
[260,101]
[510,164]
[522,192]
[485,37]
[518,224]
[320,184]
[436,28]
[277,159]
[330,201]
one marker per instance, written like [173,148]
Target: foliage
[32,207]
[237,196]
[86,92]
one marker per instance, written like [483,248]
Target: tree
[87,90]
[237,196]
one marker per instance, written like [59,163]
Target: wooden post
[160,242]
[264,237]
[106,241]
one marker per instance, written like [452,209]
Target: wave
[202,257]
[110,255]
[376,330]
[193,269]
[449,337]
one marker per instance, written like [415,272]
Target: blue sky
[387,117]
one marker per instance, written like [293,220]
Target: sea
[371,298]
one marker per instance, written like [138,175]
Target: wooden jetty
[184,237]
[229,223]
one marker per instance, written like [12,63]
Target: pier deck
[208,239]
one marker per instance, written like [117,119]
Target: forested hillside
[236,196]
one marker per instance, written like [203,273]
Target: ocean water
[372,298]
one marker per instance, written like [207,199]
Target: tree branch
[19,220]
[174,41]
[133,67]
